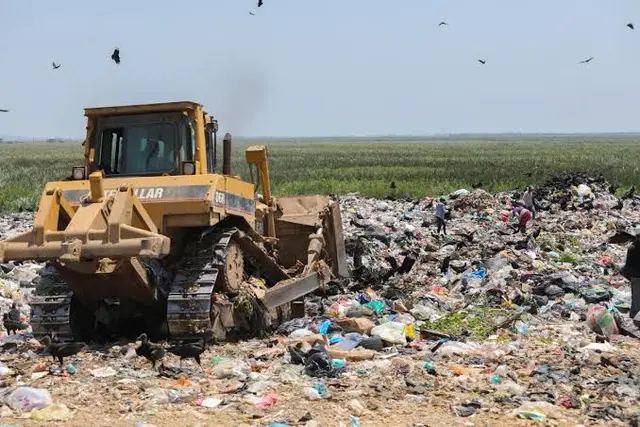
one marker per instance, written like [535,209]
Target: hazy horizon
[335,69]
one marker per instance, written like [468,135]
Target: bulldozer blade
[298,218]
[292,289]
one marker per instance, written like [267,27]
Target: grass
[417,167]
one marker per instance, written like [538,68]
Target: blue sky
[326,67]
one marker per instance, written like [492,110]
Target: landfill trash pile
[481,326]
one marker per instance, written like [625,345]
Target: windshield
[142,147]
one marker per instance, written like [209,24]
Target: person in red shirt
[524,216]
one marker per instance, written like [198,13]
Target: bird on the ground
[586,61]
[393,185]
[259,3]
[191,350]
[9,324]
[477,185]
[150,351]
[444,266]
[482,61]
[60,350]
[11,320]
[55,66]
[4,111]
[630,25]
[442,23]
[116,55]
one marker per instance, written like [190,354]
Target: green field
[418,167]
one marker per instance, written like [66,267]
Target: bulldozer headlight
[78,173]
[188,168]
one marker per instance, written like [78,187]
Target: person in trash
[529,202]
[440,213]
[524,216]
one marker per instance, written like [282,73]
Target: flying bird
[630,25]
[116,55]
[482,61]
[55,66]
[442,23]
[4,111]
[259,3]
[586,60]
[252,14]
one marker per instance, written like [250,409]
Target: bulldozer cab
[149,140]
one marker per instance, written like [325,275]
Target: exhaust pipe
[226,154]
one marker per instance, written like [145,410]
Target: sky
[326,67]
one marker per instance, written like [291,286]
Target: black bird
[482,61]
[393,185]
[152,352]
[4,111]
[60,350]
[444,267]
[477,185]
[191,350]
[442,23]
[586,60]
[116,55]
[630,25]
[55,66]
[11,320]
[9,324]
[259,3]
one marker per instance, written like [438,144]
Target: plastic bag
[232,369]
[391,332]
[55,412]
[27,398]
[601,321]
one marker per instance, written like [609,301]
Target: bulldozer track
[209,277]
[207,272]
[51,314]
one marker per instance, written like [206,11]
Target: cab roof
[161,107]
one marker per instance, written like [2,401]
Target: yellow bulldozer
[153,233]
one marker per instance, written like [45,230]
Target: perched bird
[444,266]
[11,320]
[482,61]
[116,55]
[150,351]
[630,25]
[55,66]
[586,60]
[9,324]
[442,23]
[60,350]
[4,111]
[191,350]
[259,3]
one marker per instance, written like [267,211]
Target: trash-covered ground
[480,327]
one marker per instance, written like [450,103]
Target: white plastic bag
[28,398]
[391,332]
